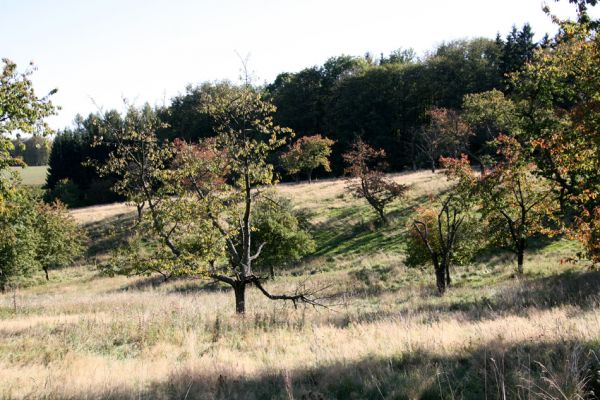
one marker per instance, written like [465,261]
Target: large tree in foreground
[201,198]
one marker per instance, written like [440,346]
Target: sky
[99,52]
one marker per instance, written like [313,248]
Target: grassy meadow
[385,335]
[32,176]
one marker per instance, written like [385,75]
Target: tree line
[385,101]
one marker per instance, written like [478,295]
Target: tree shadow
[573,288]
[108,234]
[337,235]
[493,371]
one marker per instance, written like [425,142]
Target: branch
[223,278]
[257,254]
[298,297]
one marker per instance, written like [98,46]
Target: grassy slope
[387,335]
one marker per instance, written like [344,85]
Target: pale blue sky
[149,50]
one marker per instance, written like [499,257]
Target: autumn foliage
[367,179]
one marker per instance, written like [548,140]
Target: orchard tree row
[205,208]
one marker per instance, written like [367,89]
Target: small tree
[61,240]
[18,238]
[284,232]
[307,154]
[446,133]
[515,202]
[35,236]
[368,181]
[442,236]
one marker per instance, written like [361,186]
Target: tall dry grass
[386,335]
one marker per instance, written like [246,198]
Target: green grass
[32,176]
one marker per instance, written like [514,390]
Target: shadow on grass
[108,234]
[338,235]
[183,285]
[579,289]
[493,371]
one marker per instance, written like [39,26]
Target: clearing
[387,335]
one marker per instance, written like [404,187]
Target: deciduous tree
[367,181]
[557,95]
[446,134]
[307,154]
[201,198]
[515,202]
[443,235]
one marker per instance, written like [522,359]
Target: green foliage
[34,236]
[34,151]
[307,154]
[60,241]
[469,240]
[18,236]
[489,114]
[187,117]
[515,203]
[284,232]
[31,235]
[557,95]
[66,192]
[71,151]
[518,50]
[21,110]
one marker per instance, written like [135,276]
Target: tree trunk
[140,211]
[520,256]
[432,166]
[448,280]
[440,279]
[309,176]
[382,216]
[272,271]
[240,297]
[46,271]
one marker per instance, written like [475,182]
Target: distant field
[34,176]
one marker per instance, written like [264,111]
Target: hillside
[385,333]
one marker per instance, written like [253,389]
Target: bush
[67,192]
[34,236]
[284,232]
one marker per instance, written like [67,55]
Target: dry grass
[387,336]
